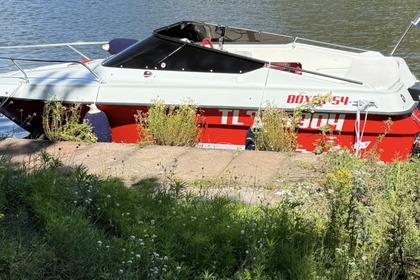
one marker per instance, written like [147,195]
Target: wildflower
[121,271]
[242,231]
[152,222]
[99,243]
[339,251]
[178,268]
[129,262]
[138,256]
[108,196]
[132,237]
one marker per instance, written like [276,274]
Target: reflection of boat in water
[10,129]
[231,73]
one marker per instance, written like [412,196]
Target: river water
[373,25]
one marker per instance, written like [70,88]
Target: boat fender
[118,44]
[250,139]
[99,122]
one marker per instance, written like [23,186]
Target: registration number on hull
[308,120]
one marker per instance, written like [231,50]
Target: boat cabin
[202,47]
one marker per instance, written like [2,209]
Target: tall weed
[62,123]
[170,125]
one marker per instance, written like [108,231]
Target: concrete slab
[131,163]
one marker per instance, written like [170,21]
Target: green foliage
[170,125]
[359,222]
[62,123]
[275,133]
[276,130]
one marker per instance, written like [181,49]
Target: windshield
[177,55]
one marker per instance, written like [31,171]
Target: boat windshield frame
[182,50]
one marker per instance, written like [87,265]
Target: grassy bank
[361,221]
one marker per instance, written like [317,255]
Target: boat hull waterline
[370,107]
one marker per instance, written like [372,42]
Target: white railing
[71,46]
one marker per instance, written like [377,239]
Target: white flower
[108,196]
[99,242]
[242,231]
[283,192]
[138,256]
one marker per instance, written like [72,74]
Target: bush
[170,125]
[62,123]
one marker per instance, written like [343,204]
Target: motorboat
[231,74]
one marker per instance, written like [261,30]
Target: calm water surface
[373,25]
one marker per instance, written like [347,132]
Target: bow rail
[71,46]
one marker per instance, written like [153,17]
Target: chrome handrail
[325,44]
[100,80]
[69,45]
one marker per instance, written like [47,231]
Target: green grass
[360,221]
